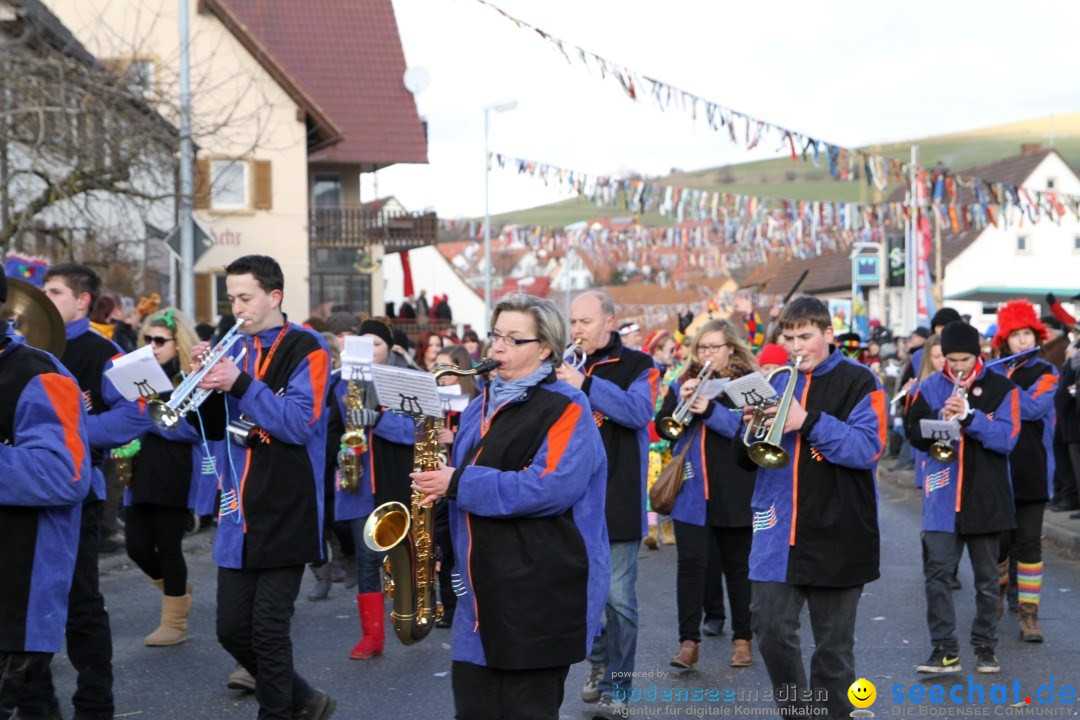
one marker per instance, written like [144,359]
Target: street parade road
[188,681]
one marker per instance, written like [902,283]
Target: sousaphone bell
[34,316]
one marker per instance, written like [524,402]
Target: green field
[799,180]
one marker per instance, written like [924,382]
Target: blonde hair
[926,369]
[182,331]
[740,353]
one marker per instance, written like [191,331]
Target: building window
[1049,183]
[222,306]
[1022,244]
[1076,243]
[140,78]
[326,190]
[229,189]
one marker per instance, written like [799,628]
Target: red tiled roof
[348,57]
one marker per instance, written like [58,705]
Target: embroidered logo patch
[937,480]
[230,503]
[598,418]
[817,456]
[765,519]
[688,471]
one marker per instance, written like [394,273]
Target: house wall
[238,111]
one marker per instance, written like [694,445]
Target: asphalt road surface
[188,681]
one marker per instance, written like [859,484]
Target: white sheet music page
[357,358]
[138,375]
[713,388]
[752,389]
[940,429]
[452,398]
[407,391]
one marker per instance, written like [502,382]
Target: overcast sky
[845,71]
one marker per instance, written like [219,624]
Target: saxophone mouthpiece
[487,365]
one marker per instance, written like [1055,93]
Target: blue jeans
[368,562]
[614,648]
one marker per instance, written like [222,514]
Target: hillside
[800,180]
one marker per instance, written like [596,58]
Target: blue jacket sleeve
[121,423]
[49,464]
[722,420]
[857,442]
[294,416]
[631,408]
[553,482]
[1037,402]
[395,427]
[997,434]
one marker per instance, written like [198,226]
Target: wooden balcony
[361,228]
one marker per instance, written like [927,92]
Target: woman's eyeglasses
[156,340]
[510,341]
[711,348]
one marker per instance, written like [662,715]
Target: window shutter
[202,184]
[204,298]
[261,188]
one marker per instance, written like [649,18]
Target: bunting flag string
[844,163]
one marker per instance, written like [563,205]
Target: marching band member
[712,511]
[967,502]
[270,524]
[111,422]
[163,487]
[45,466]
[815,521]
[933,360]
[384,476]
[621,385]
[1031,462]
[526,495]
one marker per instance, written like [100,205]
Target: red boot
[371,620]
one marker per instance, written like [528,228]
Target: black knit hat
[944,316]
[378,329]
[3,288]
[959,337]
[922,332]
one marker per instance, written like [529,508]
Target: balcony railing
[360,228]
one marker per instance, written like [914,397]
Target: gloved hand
[685,320]
[1050,299]
[363,417]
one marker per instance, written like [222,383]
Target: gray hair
[607,305]
[550,324]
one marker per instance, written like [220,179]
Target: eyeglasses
[495,337]
[711,348]
[156,340]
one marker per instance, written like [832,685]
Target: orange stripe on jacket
[1015,412]
[65,398]
[559,436]
[1046,384]
[317,366]
[877,400]
[654,383]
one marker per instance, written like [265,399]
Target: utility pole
[187,179]
[911,304]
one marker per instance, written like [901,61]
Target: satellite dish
[416,80]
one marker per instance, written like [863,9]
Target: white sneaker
[590,692]
[608,709]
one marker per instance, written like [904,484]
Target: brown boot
[1029,623]
[652,539]
[667,532]
[173,628]
[687,656]
[743,655]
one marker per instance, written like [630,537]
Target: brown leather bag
[667,486]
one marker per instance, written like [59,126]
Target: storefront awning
[1004,294]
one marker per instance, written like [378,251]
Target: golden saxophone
[406,535]
[353,442]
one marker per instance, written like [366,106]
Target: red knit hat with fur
[1017,315]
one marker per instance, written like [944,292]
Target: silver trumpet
[188,396]
[575,355]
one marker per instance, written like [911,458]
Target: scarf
[502,391]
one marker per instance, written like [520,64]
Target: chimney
[1030,148]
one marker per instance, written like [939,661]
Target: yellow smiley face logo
[862,693]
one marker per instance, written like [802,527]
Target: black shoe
[954,583]
[445,622]
[941,661]
[713,627]
[320,707]
[985,660]
[108,546]
[1074,515]
[1064,507]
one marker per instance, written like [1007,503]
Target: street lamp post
[497,107]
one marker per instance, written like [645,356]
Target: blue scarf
[502,391]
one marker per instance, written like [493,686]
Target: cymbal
[34,316]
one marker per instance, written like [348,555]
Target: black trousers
[254,618]
[89,639]
[154,535]
[1024,544]
[694,544]
[17,669]
[483,693]
[714,588]
[446,557]
[1065,483]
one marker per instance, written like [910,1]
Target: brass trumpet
[762,441]
[943,450]
[672,428]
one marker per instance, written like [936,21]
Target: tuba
[406,535]
[763,442]
[353,441]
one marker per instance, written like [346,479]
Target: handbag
[667,486]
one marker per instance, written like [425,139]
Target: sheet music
[940,429]
[452,398]
[357,358]
[409,391]
[713,388]
[138,375]
[752,389]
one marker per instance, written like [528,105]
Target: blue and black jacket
[972,495]
[1032,460]
[815,521]
[45,471]
[621,385]
[526,506]
[112,421]
[271,509]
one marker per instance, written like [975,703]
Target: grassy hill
[800,180]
